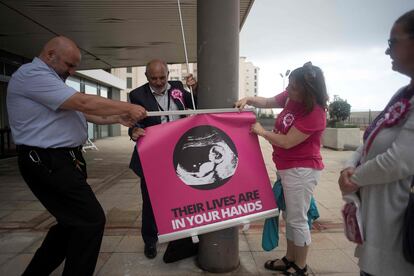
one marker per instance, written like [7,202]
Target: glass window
[104,91]
[104,131]
[129,82]
[73,82]
[91,88]
[129,69]
[90,131]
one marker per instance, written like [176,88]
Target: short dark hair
[311,78]
[407,22]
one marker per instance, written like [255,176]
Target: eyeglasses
[394,40]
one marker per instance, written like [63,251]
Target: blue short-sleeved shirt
[34,95]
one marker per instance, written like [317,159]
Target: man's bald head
[62,54]
[156,72]
[156,64]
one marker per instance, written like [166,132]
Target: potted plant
[339,135]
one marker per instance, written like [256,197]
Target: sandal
[283,267]
[298,271]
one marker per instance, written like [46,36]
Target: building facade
[135,77]
[248,78]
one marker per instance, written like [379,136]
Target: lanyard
[168,106]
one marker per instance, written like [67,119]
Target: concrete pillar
[218,24]
[218,251]
[218,80]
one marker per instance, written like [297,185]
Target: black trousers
[149,227]
[57,177]
[176,250]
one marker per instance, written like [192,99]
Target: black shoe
[150,250]
[297,271]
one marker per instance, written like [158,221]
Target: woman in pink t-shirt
[296,141]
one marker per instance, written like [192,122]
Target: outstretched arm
[260,102]
[96,105]
[107,120]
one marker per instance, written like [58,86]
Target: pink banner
[204,173]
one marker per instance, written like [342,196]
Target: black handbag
[408,228]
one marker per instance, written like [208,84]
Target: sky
[345,38]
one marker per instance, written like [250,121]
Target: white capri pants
[298,185]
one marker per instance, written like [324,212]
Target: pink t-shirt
[306,154]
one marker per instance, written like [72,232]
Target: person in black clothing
[158,94]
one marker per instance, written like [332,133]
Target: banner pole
[197,111]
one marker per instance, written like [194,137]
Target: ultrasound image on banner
[205,157]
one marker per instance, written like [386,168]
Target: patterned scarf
[395,110]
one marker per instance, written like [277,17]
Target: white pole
[185,50]
[198,111]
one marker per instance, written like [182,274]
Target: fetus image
[205,157]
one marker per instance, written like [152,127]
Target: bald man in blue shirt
[48,120]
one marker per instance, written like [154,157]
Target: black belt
[29,148]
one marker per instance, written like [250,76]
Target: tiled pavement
[23,221]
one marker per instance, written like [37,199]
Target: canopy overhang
[110,33]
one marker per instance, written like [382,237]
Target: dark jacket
[144,97]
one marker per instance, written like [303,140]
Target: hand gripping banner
[205,173]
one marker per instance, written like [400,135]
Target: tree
[339,110]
